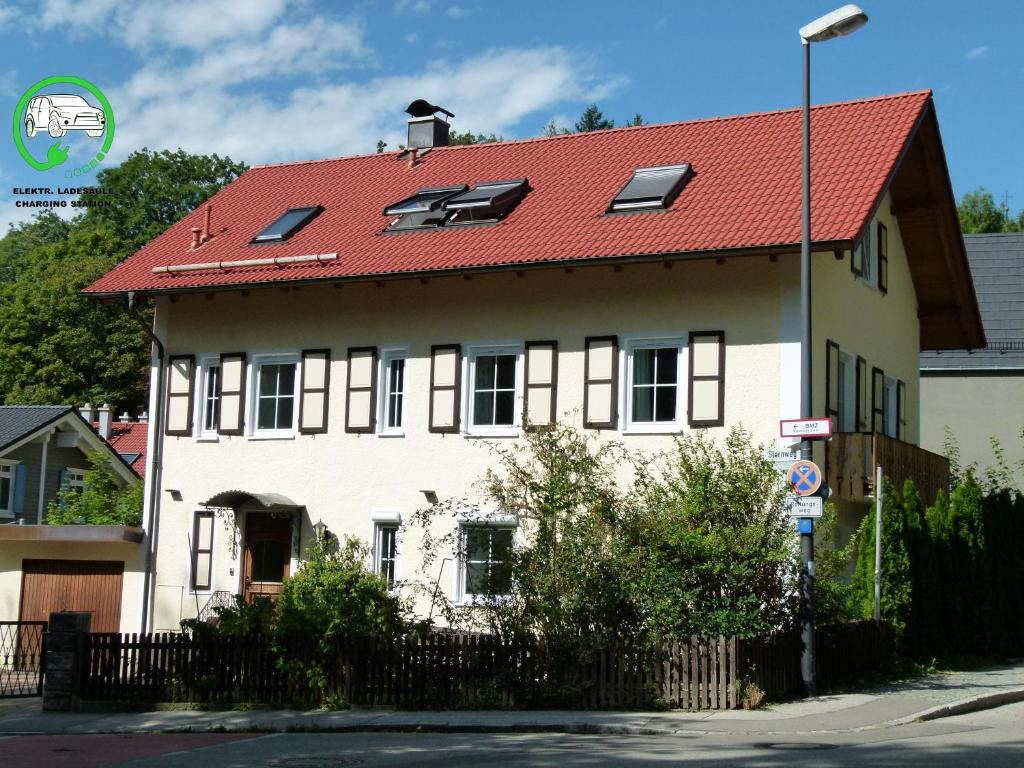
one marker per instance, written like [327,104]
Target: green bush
[100,502]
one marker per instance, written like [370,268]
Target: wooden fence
[449,670]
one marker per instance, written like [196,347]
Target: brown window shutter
[706,396]
[601,382]
[832,383]
[883,258]
[202,551]
[180,394]
[877,400]
[541,375]
[445,388]
[901,411]
[231,393]
[314,391]
[861,416]
[361,390]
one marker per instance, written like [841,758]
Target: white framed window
[74,478]
[485,560]
[8,472]
[274,400]
[208,403]
[392,416]
[654,388]
[385,551]
[890,407]
[865,258]
[846,393]
[494,390]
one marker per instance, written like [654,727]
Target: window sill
[273,436]
[208,438]
[394,433]
[477,433]
[654,429]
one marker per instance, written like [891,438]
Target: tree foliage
[101,502]
[593,119]
[59,347]
[696,542]
[979,213]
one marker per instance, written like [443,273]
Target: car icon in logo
[58,113]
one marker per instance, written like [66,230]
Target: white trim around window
[654,381]
[207,403]
[74,477]
[385,550]
[393,398]
[478,520]
[8,479]
[493,402]
[276,398]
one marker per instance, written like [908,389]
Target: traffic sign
[804,506]
[805,427]
[804,477]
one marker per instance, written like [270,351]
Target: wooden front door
[267,562]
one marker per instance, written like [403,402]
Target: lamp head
[838,23]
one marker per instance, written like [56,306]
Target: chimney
[206,224]
[412,157]
[88,412]
[144,418]
[124,418]
[426,129]
[104,413]
[195,237]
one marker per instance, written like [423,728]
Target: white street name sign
[805,427]
[804,506]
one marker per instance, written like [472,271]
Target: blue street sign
[805,525]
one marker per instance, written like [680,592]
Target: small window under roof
[487,201]
[652,188]
[287,224]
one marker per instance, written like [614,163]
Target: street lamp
[840,22]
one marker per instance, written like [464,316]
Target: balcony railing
[852,457]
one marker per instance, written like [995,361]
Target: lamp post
[840,22]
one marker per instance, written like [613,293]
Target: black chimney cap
[423,108]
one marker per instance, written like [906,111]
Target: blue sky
[273,80]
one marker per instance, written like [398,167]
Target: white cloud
[406,7]
[490,93]
[8,13]
[459,12]
[977,53]
[146,24]
[412,37]
[8,87]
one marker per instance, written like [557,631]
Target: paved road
[990,739]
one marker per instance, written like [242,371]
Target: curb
[964,706]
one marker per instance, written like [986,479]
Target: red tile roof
[745,194]
[128,437]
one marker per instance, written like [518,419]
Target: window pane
[504,412]
[506,371]
[476,578]
[643,403]
[397,374]
[284,412]
[477,544]
[5,493]
[485,371]
[395,411]
[667,365]
[268,560]
[265,418]
[501,543]
[643,366]
[286,374]
[666,404]
[483,408]
[268,379]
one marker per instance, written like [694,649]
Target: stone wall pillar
[67,649]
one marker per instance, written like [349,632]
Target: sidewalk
[888,705]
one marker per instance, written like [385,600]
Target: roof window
[652,188]
[422,210]
[287,224]
[487,201]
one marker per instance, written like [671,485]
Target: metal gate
[22,650]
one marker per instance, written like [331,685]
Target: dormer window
[422,210]
[287,224]
[652,188]
[487,201]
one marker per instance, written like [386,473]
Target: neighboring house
[346,339]
[979,395]
[129,439]
[46,568]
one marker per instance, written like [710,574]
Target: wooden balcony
[851,459]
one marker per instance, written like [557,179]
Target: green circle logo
[51,116]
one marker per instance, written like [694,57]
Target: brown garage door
[74,585]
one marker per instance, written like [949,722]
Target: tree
[59,347]
[979,213]
[593,120]
[468,137]
[101,502]
[637,120]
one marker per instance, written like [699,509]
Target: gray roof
[16,421]
[997,266]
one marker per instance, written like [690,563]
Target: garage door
[56,585]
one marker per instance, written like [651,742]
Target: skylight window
[422,210]
[487,201]
[652,188]
[287,224]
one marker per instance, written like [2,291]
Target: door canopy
[235,499]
